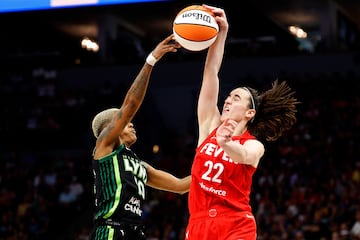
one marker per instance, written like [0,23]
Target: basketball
[195,28]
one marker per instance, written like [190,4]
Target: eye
[236,97]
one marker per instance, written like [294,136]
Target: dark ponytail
[275,111]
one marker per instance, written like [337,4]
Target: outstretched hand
[167,45]
[220,16]
[225,131]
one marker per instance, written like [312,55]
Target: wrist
[151,60]
[223,140]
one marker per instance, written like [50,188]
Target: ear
[250,113]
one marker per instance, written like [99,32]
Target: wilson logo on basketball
[197,16]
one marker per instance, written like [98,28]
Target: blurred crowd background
[307,185]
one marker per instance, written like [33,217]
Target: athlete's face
[128,136]
[237,106]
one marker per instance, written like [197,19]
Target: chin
[223,117]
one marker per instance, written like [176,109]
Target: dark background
[50,88]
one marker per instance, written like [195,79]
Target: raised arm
[207,109]
[109,137]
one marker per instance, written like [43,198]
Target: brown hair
[275,111]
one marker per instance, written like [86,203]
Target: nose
[228,100]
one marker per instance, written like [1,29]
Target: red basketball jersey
[217,181]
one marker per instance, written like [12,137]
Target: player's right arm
[207,109]
[109,137]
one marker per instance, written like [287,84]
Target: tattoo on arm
[137,90]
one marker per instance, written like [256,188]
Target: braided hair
[275,111]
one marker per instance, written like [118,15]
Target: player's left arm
[248,153]
[165,181]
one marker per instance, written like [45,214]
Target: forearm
[215,54]
[136,93]
[137,90]
[248,153]
[208,97]
[162,180]
[234,150]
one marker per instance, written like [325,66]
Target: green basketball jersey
[119,187]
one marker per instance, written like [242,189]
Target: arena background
[51,85]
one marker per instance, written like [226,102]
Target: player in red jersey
[229,148]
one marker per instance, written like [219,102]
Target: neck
[240,128]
